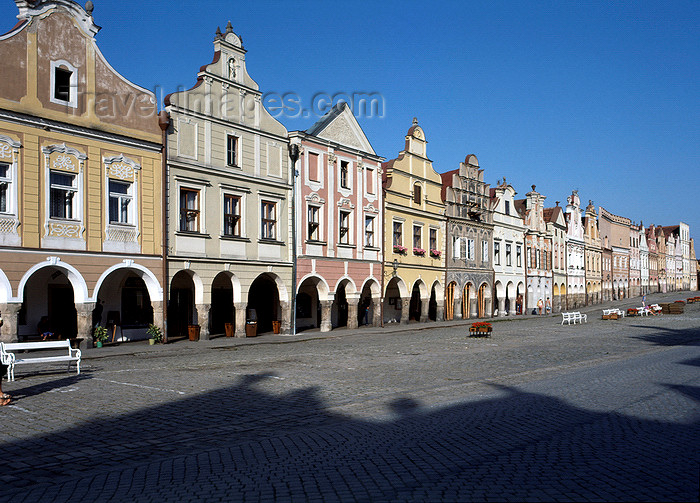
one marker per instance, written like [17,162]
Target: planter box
[276,327]
[251,329]
[228,328]
[480,331]
[193,332]
[613,316]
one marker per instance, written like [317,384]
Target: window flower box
[480,329]
[419,251]
[400,249]
[435,253]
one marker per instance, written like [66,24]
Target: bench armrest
[75,353]
[7,358]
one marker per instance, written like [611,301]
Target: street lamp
[294,156]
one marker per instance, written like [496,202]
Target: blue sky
[599,96]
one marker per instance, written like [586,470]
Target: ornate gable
[340,126]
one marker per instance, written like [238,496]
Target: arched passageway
[48,305]
[264,302]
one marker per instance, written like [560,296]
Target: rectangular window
[344,174]
[537,259]
[232,215]
[416,193]
[268,214]
[417,236]
[189,210]
[497,252]
[313,223]
[120,202]
[369,232]
[371,181]
[4,185]
[62,192]
[344,228]
[398,234]
[433,239]
[470,249]
[313,167]
[529,258]
[484,251]
[231,150]
[508,254]
[62,79]
[507,207]
[518,256]
[455,248]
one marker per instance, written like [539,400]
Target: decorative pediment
[315,198]
[340,126]
[344,202]
[370,208]
[121,167]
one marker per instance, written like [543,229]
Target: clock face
[418,134]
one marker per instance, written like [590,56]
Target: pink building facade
[339,225]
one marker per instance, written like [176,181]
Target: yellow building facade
[80,184]
[414,235]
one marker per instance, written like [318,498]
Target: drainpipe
[383,215]
[164,123]
[294,156]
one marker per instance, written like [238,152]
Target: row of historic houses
[210,215]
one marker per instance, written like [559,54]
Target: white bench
[618,312]
[11,359]
[643,311]
[574,317]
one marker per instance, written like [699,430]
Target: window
[313,167]
[268,213]
[5,181]
[232,215]
[507,207]
[313,234]
[231,150]
[62,78]
[371,181]
[537,259]
[433,239]
[508,254]
[398,233]
[344,228]
[344,174]
[416,193]
[470,249]
[189,210]
[497,252]
[518,255]
[417,236]
[529,257]
[62,192]
[369,232]
[484,251]
[120,199]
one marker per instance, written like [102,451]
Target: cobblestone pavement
[603,411]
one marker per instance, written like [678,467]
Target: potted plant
[155,336]
[400,249]
[419,251]
[480,328]
[100,335]
[435,253]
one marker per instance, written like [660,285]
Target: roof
[521,206]
[552,214]
[446,182]
[671,229]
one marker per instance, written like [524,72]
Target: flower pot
[193,332]
[151,342]
[99,344]
[251,328]
[228,328]
[276,327]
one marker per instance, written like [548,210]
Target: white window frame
[121,198]
[418,227]
[373,230]
[497,253]
[73,101]
[509,254]
[319,218]
[519,255]
[68,157]
[237,160]
[394,223]
[241,216]
[471,252]
[370,180]
[9,153]
[199,209]
[276,220]
[349,241]
[351,180]
[484,251]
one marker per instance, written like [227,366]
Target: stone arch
[344,281]
[374,286]
[424,293]
[5,288]
[320,283]
[155,290]
[395,305]
[80,290]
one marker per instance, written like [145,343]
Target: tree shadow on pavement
[243,443]
[663,336]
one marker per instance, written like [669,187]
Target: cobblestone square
[603,411]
